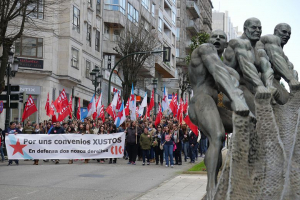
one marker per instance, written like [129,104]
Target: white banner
[65,146]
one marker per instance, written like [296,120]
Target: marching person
[87,131]
[145,143]
[101,132]
[12,130]
[178,136]
[167,141]
[132,146]
[159,157]
[113,129]
[36,130]
[57,130]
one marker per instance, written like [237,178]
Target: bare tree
[15,17]
[135,37]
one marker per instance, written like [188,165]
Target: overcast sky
[270,13]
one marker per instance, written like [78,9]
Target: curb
[194,172]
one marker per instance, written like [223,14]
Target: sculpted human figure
[242,56]
[283,68]
[209,75]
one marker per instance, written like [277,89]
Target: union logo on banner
[1,106]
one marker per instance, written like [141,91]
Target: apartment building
[70,39]
[192,17]
[58,52]
[159,15]
[222,21]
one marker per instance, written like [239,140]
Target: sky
[270,13]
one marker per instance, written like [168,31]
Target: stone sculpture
[263,161]
[242,56]
[208,75]
[283,68]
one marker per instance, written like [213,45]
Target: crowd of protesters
[169,141]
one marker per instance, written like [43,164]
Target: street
[82,181]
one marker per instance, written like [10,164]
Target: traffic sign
[1,106]
[13,97]
[12,105]
[13,88]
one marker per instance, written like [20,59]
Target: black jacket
[57,130]
[193,138]
[131,138]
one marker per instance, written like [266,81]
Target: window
[87,69]
[89,34]
[116,5]
[160,24]
[146,4]
[97,41]
[36,9]
[177,53]
[76,19]
[153,10]
[177,34]
[98,7]
[29,47]
[173,18]
[174,1]
[75,58]
[133,14]
[90,3]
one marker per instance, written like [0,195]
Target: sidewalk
[185,186]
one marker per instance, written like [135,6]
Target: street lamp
[96,77]
[154,82]
[11,70]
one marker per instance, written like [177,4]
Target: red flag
[119,103]
[63,113]
[78,110]
[51,111]
[30,108]
[192,126]
[173,105]
[159,116]
[111,112]
[137,112]
[180,112]
[54,120]
[47,106]
[70,107]
[61,101]
[151,104]
[127,111]
[185,107]
[101,113]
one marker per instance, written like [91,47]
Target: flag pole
[135,131]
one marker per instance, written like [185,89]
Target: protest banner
[65,146]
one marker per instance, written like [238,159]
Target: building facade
[222,21]
[69,40]
[58,52]
[193,17]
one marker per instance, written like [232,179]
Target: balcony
[164,69]
[115,19]
[193,8]
[207,22]
[109,43]
[193,27]
[188,45]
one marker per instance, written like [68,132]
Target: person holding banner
[57,130]
[113,129]
[101,132]
[36,130]
[12,130]
[87,131]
